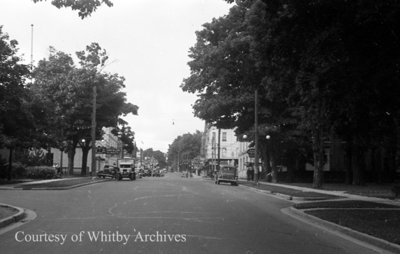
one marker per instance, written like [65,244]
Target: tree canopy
[84,7]
[184,148]
[156,154]
[15,117]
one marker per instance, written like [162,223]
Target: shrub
[17,171]
[396,191]
[41,172]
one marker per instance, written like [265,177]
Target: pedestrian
[248,173]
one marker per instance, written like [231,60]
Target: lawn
[344,204]
[384,224]
[369,190]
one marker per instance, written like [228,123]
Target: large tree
[67,90]
[15,117]
[226,70]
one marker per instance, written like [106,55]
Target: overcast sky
[147,42]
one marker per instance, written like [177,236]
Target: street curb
[62,188]
[360,238]
[13,218]
[271,193]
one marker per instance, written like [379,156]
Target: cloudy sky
[147,42]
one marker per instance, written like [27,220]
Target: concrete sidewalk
[41,184]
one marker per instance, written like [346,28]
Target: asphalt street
[163,215]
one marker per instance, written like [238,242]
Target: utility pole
[93,130]
[219,149]
[179,151]
[256,173]
[31,47]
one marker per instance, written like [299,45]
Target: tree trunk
[10,159]
[291,161]
[71,156]
[274,170]
[356,158]
[349,177]
[268,167]
[318,152]
[85,152]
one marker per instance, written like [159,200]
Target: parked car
[227,174]
[108,171]
[146,172]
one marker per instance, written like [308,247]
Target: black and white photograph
[200,126]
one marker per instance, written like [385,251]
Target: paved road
[163,215]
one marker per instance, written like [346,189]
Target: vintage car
[126,171]
[227,174]
[108,171]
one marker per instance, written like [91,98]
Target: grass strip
[61,183]
[383,224]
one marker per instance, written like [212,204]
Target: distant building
[107,153]
[108,149]
[243,159]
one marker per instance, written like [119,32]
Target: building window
[224,136]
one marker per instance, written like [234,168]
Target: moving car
[227,174]
[126,169]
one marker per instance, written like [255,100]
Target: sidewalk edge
[13,218]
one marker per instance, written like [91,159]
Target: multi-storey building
[219,141]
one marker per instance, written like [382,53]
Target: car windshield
[226,170]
